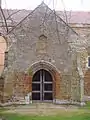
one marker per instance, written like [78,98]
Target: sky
[74,5]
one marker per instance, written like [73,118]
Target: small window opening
[89,61]
[6,59]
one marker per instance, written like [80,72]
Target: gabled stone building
[46,59]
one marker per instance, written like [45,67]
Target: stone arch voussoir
[53,71]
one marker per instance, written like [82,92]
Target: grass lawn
[57,117]
[79,114]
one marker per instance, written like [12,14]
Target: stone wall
[27,48]
[1,89]
[80,28]
[87,83]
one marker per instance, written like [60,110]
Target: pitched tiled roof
[16,15]
[76,16]
[69,16]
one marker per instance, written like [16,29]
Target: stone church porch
[41,83]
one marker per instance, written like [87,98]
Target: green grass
[2,109]
[76,116]
[79,114]
[88,105]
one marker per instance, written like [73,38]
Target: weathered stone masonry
[57,54]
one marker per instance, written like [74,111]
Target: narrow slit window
[6,59]
[89,61]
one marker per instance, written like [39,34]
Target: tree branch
[4,19]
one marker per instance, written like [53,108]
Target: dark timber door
[42,86]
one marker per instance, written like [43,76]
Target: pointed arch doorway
[42,86]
